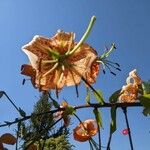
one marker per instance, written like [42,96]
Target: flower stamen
[62,75]
[51,70]
[49,61]
[70,43]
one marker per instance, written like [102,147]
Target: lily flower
[60,61]
[85,130]
[129,92]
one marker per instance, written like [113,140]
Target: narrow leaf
[91,146]
[98,117]
[88,97]
[94,144]
[113,120]
[22,112]
[55,103]
[99,96]
[114,97]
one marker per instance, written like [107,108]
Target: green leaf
[22,113]
[1,93]
[145,100]
[99,96]
[91,146]
[56,104]
[114,97]
[113,120]
[94,144]
[146,112]
[98,117]
[146,87]
[69,111]
[88,97]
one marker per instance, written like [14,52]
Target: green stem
[85,35]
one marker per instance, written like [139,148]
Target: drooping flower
[129,92]
[7,138]
[60,61]
[93,72]
[85,130]
[60,114]
[134,78]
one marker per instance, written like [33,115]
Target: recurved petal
[38,46]
[28,70]
[92,73]
[62,41]
[134,78]
[32,58]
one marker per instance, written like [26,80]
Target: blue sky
[124,22]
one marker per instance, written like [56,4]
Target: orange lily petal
[85,130]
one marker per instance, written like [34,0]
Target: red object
[125,132]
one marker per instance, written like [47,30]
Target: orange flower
[130,88]
[134,78]
[130,91]
[85,130]
[93,73]
[56,62]
[7,138]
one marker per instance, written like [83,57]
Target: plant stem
[78,118]
[109,141]
[127,123]
[99,137]
[92,105]
[12,102]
